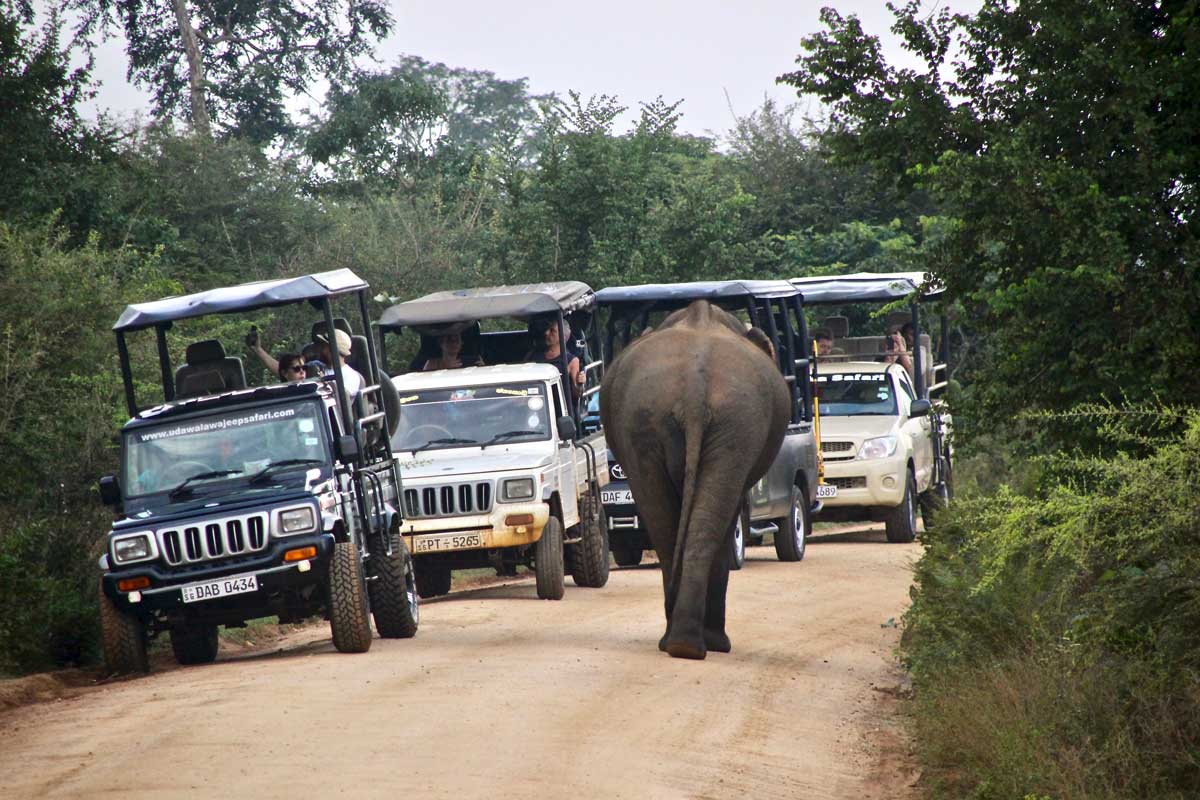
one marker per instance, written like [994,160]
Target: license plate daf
[221,587]
[616,496]
[436,542]
[825,490]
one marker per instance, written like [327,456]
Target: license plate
[432,543]
[222,587]
[616,496]
[826,490]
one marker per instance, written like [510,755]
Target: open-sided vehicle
[783,501]
[499,466]
[885,443]
[240,502]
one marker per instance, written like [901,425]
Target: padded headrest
[838,326]
[339,324]
[201,383]
[203,352]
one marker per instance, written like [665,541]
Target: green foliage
[1051,635]
[1059,148]
[254,53]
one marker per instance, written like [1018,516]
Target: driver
[547,349]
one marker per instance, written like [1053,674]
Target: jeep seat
[209,356]
[198,384]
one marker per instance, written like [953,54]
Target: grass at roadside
[1052,632]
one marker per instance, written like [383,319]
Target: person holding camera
[289,367]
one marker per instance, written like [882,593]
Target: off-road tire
[433,581]
[548,561]
[349,619]
[737,541]
[791,536]
[938,498]
[627,555]
[589,557]
[124,639]
[901,523]
[393,593]
[195,644]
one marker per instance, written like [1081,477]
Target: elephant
[695,412]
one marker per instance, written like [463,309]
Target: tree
[1060,147]
[235,61]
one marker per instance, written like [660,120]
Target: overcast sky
[697,51]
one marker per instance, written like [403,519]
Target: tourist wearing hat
[354,382]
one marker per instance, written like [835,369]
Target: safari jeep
[784,500]
[879,446]
[498,471]
[885,433]
[238,502]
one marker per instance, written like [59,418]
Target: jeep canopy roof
[680,294]
[246,297]
[865,287]
[466,305]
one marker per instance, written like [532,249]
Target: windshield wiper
[450,440]
[183,487]
[508,435]
[287,462]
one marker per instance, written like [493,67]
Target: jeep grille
[837,451]
[449,500]
[220,538]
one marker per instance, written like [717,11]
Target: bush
[1052,631]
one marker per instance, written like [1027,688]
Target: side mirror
[110,490]
[347,447]
[566,428]
[919,408]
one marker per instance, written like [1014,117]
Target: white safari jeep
[502,467]
[878,442]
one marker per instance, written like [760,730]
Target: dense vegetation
[1042,161]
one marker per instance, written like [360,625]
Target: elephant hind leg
[697,622]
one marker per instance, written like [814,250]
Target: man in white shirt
[350,377]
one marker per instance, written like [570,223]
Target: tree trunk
[200,121]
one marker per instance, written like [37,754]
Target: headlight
[132,548]
[882,447]
[516,489]
[297,520]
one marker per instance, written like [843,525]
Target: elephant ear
[761,341]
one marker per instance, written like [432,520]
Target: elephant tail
[695,424]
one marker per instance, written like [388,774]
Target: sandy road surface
[503,695]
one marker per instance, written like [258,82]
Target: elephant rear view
[695,411]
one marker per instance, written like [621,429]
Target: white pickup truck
[878,444]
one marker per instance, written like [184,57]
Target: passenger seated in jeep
[548,350]
[350,376]
[825,348]
[451,346]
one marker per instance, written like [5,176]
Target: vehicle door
[918,430]
[562,473]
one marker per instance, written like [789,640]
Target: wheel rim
[798,523]
[739,538]
[912,507]
[410,592]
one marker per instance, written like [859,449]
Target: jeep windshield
[852,394]
[437,419]
[196,455]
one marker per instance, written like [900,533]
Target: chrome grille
[837,451]
[449,500]
[220,538]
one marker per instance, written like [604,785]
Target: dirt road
[503,695]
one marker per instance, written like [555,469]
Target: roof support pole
[164,362]
[918,367]
[126,374]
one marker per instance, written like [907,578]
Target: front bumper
[491,528]
[274,575]
[871,482]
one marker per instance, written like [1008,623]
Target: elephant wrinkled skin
[695,411]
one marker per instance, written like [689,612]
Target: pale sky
[695,51]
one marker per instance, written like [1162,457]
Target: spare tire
[391,402]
